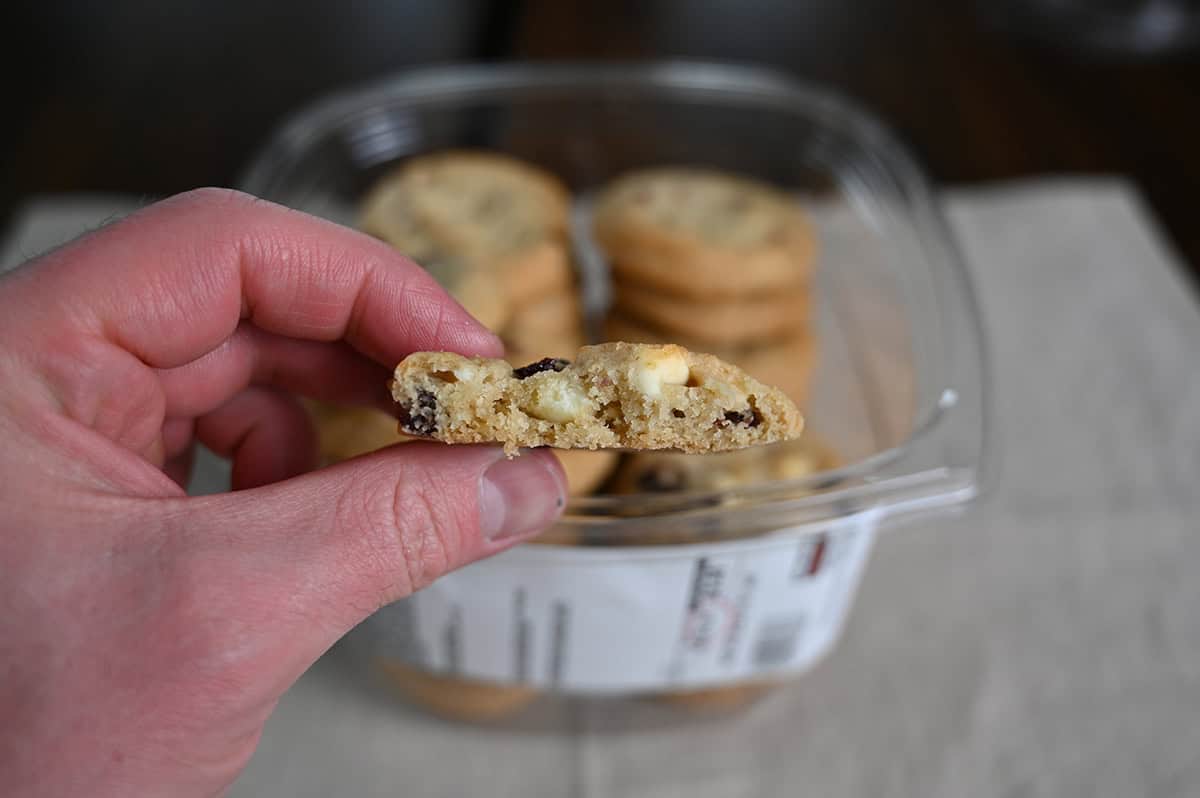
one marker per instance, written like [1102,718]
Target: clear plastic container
[899,392]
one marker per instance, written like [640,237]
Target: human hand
[145,635]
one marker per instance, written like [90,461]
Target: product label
[600,619]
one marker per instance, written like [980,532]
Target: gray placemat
[1046,644]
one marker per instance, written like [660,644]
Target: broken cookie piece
[613,396]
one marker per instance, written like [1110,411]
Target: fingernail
[521,496]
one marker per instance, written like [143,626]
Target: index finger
[171,282]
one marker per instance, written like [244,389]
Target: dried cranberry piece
[749,417]
[421,418]
[545,364]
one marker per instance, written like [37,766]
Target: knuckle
[375,565]
[412,532]
[427,527]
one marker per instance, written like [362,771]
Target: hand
[145,636]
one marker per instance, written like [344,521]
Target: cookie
[750,318]
[540,271]
[703,233]
[662,472]
[486,210]
[617,395]
[491,194]
[453,697]
[787,363]
[550,327]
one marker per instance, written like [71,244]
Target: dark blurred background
[157,97]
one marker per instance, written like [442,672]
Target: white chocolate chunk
[465,372]
[558,401]
[658,366]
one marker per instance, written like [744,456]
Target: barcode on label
[777,641]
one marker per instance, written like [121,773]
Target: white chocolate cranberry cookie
[614,396]
[703,233]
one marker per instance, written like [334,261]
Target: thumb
[314,555]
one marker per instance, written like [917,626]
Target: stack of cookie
[719,264]
[713,262]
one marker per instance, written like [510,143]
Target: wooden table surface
[158,100]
